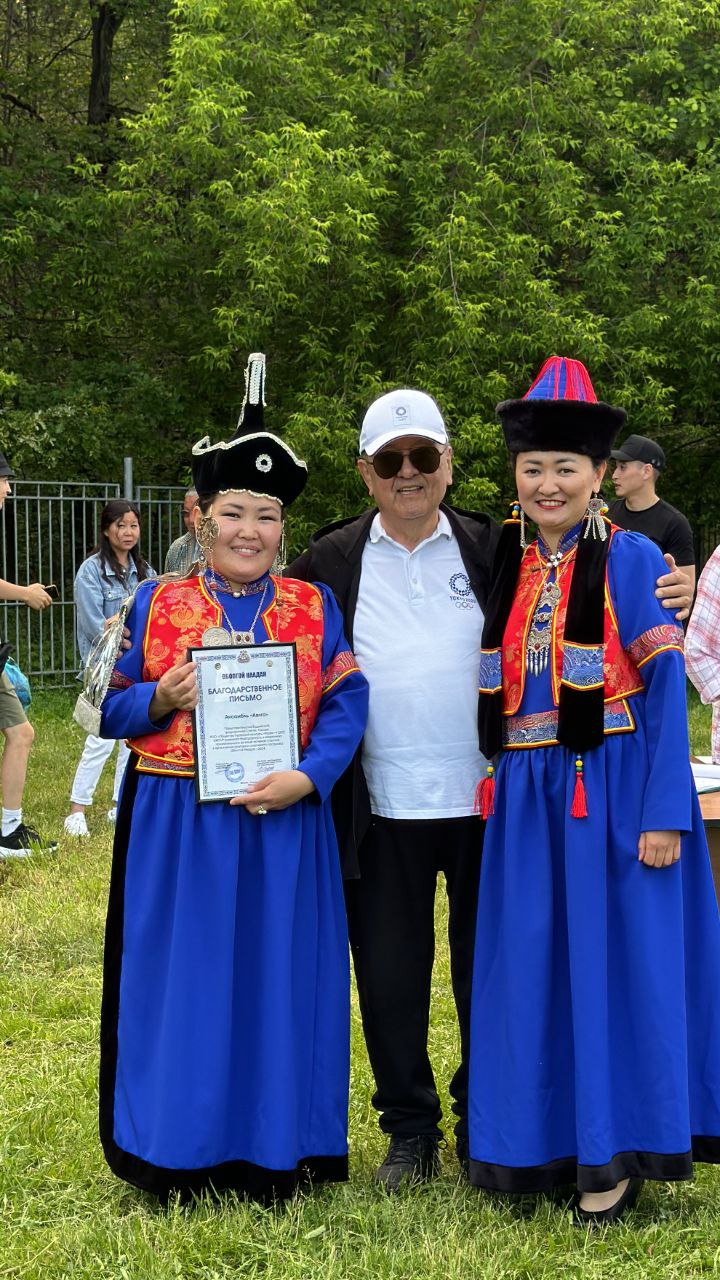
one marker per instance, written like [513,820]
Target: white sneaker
[111,815]
[75,825]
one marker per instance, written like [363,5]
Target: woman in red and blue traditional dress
[225,1018]
[595,1031]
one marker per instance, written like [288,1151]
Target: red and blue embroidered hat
[561,411]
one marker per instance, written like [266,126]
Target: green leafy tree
[436,193]
[60,391]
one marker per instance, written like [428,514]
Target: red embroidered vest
[179,614]
[621,675]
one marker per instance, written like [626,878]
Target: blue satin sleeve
[343,710]
[654,642]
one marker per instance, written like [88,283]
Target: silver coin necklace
[215,637]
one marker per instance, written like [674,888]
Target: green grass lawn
[62,1213]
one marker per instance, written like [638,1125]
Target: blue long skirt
[225,1018]
[595,1028]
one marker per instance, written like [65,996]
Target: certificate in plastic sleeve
[247,720]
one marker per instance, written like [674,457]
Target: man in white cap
[411,578]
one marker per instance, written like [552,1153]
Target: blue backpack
[19,682]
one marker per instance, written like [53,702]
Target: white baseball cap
[401,413]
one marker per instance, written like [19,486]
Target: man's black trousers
[392,936]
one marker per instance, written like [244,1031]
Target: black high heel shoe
[598,1217]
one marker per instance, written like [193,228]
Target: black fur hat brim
[580,426]
[256,463]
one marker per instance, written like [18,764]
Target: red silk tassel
[485,795]
[578,809]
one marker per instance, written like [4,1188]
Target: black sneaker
[462,1147]
[22,842]
[409,1159]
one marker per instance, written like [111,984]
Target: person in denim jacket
[102,583]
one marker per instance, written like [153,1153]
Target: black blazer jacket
[334,557]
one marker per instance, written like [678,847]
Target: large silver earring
[207,533]
[280,560]
[594,518]
[523,537]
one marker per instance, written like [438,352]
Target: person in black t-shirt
[638,463]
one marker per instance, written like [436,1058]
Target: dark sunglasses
[426,458]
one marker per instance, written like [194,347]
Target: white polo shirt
[416,637]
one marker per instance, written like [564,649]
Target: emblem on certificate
[247,720]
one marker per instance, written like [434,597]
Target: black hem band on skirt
[652,1165]
[252,1180]
[265,1185]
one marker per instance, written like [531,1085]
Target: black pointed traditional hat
[253,460]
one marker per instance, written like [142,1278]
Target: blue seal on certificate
[234,772]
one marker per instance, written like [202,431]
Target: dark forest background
[435,193]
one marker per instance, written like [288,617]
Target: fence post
[128,479]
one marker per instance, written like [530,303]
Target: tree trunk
[106,20]
[10,14]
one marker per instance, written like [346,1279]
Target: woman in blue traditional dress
[595,1031]
[225,1017]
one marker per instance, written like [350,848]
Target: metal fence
[161,520]
[48,528]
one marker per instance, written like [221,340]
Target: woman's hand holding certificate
[277,791]
[176,691]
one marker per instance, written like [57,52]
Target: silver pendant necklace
[214,637]
[537,652]
[538,641]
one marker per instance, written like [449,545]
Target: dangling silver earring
[594,521]
[517,515]
[280,560]
[200,562]
[523,537]
[206,534]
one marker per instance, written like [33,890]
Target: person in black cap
[638,463]
[225,1017]
[16,839]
